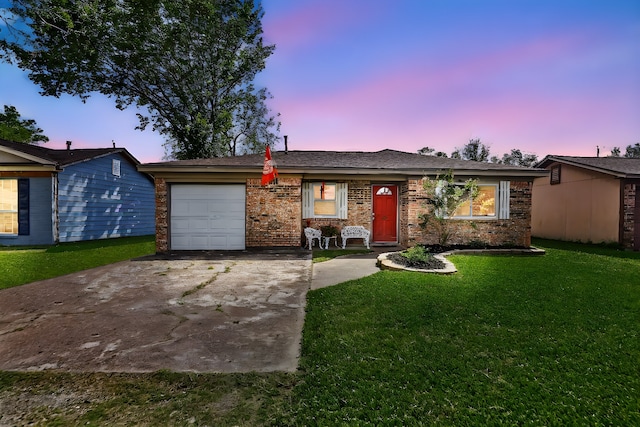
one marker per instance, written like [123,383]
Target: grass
[509,340]
[550,340]
[157,399]
[24,265]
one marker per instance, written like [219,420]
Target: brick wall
[162,228]
[629,198]
[359,204]
[274,213]
[515,231]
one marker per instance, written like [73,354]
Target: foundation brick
[629,198]
[162,228]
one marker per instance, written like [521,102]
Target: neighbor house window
[115,167]
[324,200]
[8,206]
[555,174]
[492,202]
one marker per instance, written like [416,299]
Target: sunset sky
[545,76]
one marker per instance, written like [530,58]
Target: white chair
[354,232]
[311,234]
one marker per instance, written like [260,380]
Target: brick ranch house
[220,204]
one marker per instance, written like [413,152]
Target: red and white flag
[269,171]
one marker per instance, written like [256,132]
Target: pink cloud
[305,25]
[505,96]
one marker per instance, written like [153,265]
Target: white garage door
[207,216]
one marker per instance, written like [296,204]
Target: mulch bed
[430,264]
[433,263]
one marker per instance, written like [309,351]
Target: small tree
[426,151]
[474,150]
[516,158]
[14,128]
[444,197]
[633,151]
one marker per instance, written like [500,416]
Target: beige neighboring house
[588,199]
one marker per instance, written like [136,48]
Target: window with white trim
[324,200]
[492,202]
[8,206]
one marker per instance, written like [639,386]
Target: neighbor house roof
[342,162]
[58,158]
[620,167]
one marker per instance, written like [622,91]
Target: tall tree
[14,128]
[187,64]
[633,151]
[474,150]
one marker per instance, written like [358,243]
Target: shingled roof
[347,162]
[62,157]
[621,167]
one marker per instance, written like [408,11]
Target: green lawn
[509,340]
[550,340]
[24,265]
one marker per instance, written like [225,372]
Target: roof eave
[551,159]
[122,151]
[29,157]
[28,167]
[159,169]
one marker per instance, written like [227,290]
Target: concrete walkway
[343,269]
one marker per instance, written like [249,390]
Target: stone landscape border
[384,263]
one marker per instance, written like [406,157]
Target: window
[482,206]
[324,200]
[8,206]
[115,167]
[384,191]
[492,202]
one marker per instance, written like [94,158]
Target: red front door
[385,213]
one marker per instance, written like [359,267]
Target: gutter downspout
[54,213]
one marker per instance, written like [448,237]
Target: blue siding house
[49,196]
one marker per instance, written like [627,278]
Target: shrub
[444,196]
[329,230]
[416,255]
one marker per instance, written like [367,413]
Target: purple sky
[544,76]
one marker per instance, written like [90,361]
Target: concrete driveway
[199,312]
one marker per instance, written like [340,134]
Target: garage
[207,217]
